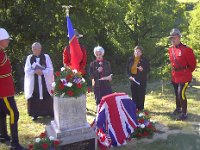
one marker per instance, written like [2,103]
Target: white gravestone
[70,124]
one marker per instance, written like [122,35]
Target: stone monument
[70,125]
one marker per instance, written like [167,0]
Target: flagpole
[67,7]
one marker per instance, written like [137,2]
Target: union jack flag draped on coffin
[116,117]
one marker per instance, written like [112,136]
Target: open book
[138,83]
[106,78]
[36,66]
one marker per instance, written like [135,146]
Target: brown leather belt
[179,69]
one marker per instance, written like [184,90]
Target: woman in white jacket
[37,83]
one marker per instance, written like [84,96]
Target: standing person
[67,55]
[100,74]
[137,68]
[183,63]
[37,83]
[7,102]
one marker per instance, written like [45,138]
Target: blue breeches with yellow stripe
[8,107]
[181,100]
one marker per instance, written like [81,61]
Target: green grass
[159,103]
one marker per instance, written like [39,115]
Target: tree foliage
[194,30]
[116,25]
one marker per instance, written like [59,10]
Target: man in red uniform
[7,102]
[183,63]
[67,55]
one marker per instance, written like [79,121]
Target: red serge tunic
[67,59]
[183,63]
[6,80]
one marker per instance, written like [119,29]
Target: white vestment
[29,77]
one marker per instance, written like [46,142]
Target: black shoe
[34,118]
[177,111]
[182,117]
[4,139]
[17,147]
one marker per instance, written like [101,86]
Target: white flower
[142,126]
[53,84]
[153,121]
[62,95]
[51,138]
[37,140]
[141,114]
[62,69]
[83,80]
[74,71]
[69,84]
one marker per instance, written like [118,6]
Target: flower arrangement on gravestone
[69,83]
[146,128]
[43,142]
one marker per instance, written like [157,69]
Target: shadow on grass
[174,142]
[191,117]
[44,120]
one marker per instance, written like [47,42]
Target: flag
[75,49]
[116,117]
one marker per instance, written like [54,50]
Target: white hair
[98,49]
[36,45]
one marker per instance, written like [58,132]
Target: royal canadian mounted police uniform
[7,102]
[183,63]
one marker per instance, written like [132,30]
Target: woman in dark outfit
[37,83]
[137,69]
[100,74]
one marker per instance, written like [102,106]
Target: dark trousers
[138,94]
[101,91]
[8,107]
[181,100]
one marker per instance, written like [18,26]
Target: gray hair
[36,45]
[139,47]
[98,49]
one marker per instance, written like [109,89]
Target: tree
[194,30]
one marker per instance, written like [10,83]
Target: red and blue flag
[75,49]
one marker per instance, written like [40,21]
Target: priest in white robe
[38,81]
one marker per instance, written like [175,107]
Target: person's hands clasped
[38,72]
[140,68]
[100,69]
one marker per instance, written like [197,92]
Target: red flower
[57,73]
[146,113]
[79,85]
[45,145]
[56,142]
[141,121]
[69,77]
[61,86]
[30,147]
[70,93]
[89,90]
[43,135]
[150,126]
[52,91]
[145,133]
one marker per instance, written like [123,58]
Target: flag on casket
[116,118]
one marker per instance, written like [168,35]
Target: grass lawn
[159,103]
